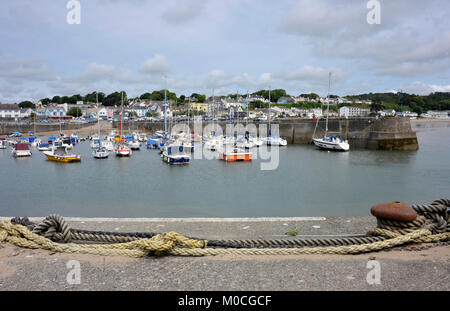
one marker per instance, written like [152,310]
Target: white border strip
[244,219]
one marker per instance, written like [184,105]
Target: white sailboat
[122,150]
[333,143]
[99,152]
[272,140]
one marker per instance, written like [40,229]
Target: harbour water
[307,182]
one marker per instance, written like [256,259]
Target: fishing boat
[330,143]
[122,150]
[58,155]
[66,142]
[235,154]
[21,150]
[2,143]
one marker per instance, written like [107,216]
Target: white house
[351,111]
[387,113]
[409,114]
[9,111]
[103,113]
[444,114]
[25,112]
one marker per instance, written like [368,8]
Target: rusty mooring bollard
[394,210]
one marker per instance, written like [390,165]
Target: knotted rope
[431,225]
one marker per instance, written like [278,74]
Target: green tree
[376,106]
[115,99]
[57,99]
[27,104]
[75,112]
[92,97]
[45,101]
[145,96]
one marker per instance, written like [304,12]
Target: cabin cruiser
[175,154]
[275,141]
[21,150]
[134,145]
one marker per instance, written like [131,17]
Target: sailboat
[100,152]
[334,143]
[122,150]
[272,140]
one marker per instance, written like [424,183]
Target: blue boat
[153,143]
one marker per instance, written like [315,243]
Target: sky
[224,47]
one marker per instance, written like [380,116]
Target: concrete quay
[424,270]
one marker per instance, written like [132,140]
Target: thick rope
[431,226]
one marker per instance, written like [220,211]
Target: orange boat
[235,155]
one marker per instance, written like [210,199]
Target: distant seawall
[364,133]
[24,128]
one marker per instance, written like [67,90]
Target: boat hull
[235,157]
[333,146]
[175,160]
[63,159]
[21,154]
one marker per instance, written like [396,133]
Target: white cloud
[183,11]
[158,64]
[412,39]
[25,69]
[420,88]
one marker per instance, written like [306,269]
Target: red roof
[21,146]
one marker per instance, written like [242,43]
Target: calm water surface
[308,182]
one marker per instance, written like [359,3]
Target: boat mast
[98,115]
[270,131]
[189,116]
[248,111]
[121,112]
[328,103]
[164,125]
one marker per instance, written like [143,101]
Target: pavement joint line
[198,219]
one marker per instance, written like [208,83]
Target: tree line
[412,102]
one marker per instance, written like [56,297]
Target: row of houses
[13,111]
[220,106]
